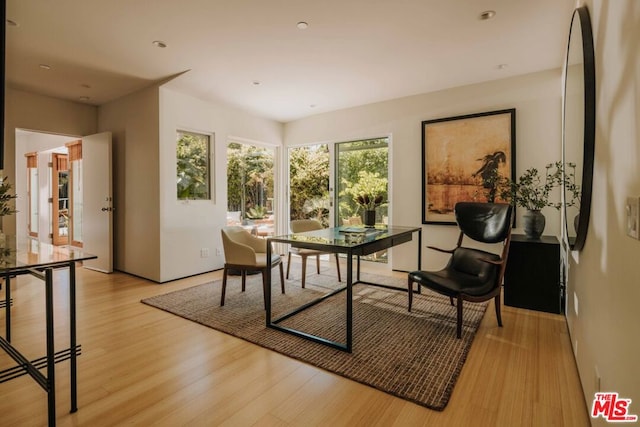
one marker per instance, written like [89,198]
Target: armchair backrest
[484,222]
[240,247]
[302,225]
[487,223]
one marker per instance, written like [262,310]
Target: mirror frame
[3,16]
[582,13]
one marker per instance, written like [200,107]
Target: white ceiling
[354,52]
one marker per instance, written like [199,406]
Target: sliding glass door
[362,169]
[315,171]
[310,195]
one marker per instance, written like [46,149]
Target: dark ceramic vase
[370,218]
[533,223]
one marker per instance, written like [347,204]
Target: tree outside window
[193,169]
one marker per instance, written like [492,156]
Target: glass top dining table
[349,240]
[28,253]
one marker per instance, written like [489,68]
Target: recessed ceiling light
[84,98]
[11,23]
[256,82]
[312,105]
[302,25]
[45,66]
[502,66]
[487,14]
[159,43]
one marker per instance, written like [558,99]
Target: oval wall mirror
[579,122]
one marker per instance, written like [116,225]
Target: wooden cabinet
[532,278]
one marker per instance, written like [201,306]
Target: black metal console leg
[72,337]
[51,370]
[8,307]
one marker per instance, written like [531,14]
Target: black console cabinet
[532,276]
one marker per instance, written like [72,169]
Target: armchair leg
[459,327]
[451,299]
[338,267]
[244,280]
[288,265]
[318,264]
[498,315]
[224,286]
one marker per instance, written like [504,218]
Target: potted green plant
[6,204]
[6,198]
[368,192]
[532,191]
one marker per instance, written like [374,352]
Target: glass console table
[351,241]
[40,259]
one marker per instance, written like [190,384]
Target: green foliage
[565,175]
[369,191]
[367,155]
[496,186]
[533,191]
[257,212]
[309,183]
[249,178]
[6,198]
[192,166]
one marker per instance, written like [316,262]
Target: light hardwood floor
[142,366]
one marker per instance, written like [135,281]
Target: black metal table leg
[51,371]
[7,294]
[72,337]
[349,345]
[401,235]
[267,286]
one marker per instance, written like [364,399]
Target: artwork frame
[458,153]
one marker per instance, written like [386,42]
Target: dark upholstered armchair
[472,274]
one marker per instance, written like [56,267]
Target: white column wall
[187,227]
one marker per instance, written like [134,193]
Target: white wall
[536,98]
[604,276]
[188,227]
[133,121]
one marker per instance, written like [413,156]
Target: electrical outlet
[204,253]
[632,209]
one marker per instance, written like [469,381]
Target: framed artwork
[459,155]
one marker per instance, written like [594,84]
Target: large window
[250,187]
[193,154]
[309,178]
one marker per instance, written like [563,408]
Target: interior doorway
[67,181]
[36,216]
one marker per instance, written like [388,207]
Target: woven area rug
[415,356]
